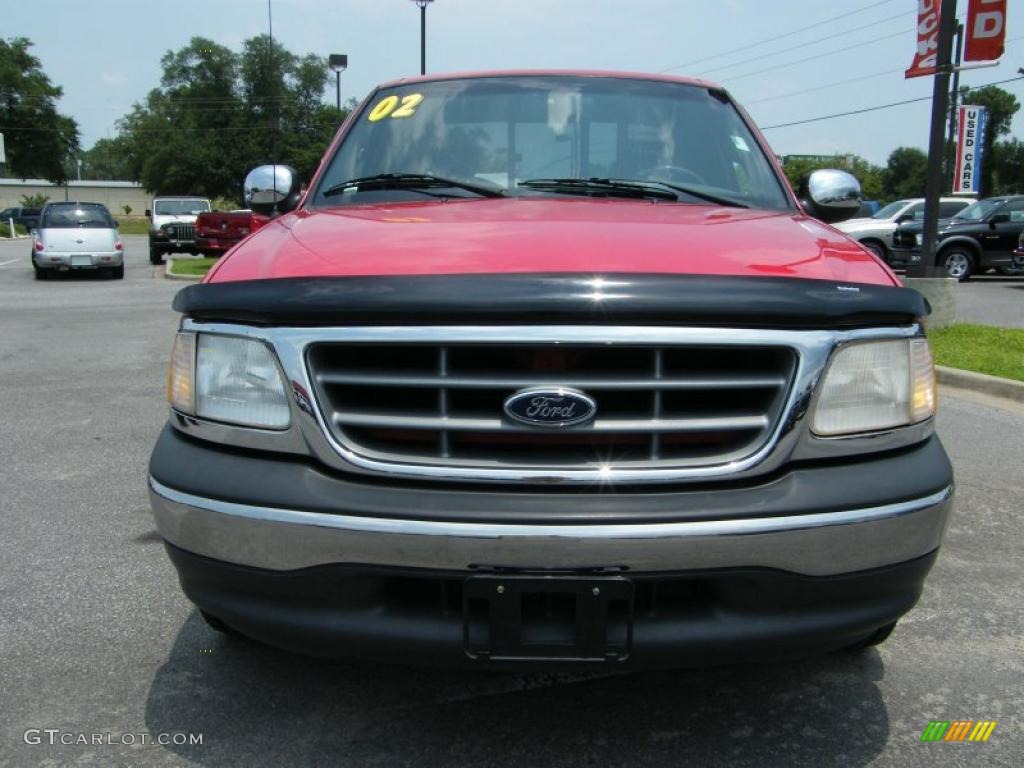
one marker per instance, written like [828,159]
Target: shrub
[34,201]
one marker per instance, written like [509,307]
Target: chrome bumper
[812,544]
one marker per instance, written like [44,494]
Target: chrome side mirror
[271,189]
[830,195]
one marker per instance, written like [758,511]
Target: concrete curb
[980,382]
[172,276]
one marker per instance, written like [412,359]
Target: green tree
[905,173]
[184,138]
[869,176]
[34,201]
[1007,162]
[217,114]
[38,139]
[1001,107]
[106,159]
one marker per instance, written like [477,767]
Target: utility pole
[954,96]
[936,149]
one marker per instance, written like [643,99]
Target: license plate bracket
[554,618]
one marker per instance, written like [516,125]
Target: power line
[780,52]
[816,56]
[875,108]
[844,82]
[772,39]
[822,87]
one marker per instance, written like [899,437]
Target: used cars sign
[969,149]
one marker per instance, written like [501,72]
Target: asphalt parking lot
[97,638]
[992,299]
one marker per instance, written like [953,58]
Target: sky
[106,53]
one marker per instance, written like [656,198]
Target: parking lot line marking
[5,263]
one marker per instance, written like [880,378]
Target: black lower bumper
[502,619]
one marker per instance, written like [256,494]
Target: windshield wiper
[410,181]
[629,188]
[718,200]
[609,187]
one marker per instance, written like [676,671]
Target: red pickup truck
[217,232]
[551,369]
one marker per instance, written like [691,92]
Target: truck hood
[548,235]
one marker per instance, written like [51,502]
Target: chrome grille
[181,231]
[670,405]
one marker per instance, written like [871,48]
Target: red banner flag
[986,30]
[927,53]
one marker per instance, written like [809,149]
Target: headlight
[226,378]
[876,385]
[919,239]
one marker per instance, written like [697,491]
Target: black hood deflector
[517,299]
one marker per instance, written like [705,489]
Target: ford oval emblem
[550,407]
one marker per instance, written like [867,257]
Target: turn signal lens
[874,386]
[181,373]
[922,369]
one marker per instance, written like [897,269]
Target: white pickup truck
[172,225]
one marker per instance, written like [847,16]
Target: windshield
[978,211]
[180,207]
[891,210]
[76,216]
[498,132]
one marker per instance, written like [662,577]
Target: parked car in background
[218,231]
[981,237]
[476,399]
[875,233]
[26,217]
[172,225]
[77,236]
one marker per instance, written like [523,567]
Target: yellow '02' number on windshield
[386,107]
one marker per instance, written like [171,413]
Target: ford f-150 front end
[551,369]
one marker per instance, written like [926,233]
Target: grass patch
[980,348]
[196,267]
[133,225]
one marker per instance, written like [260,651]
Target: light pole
[423,33]
[339,63]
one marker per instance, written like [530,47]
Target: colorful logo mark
[958,730]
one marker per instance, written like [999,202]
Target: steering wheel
[674,172]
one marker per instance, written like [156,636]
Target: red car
[217,232]
[551,369]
